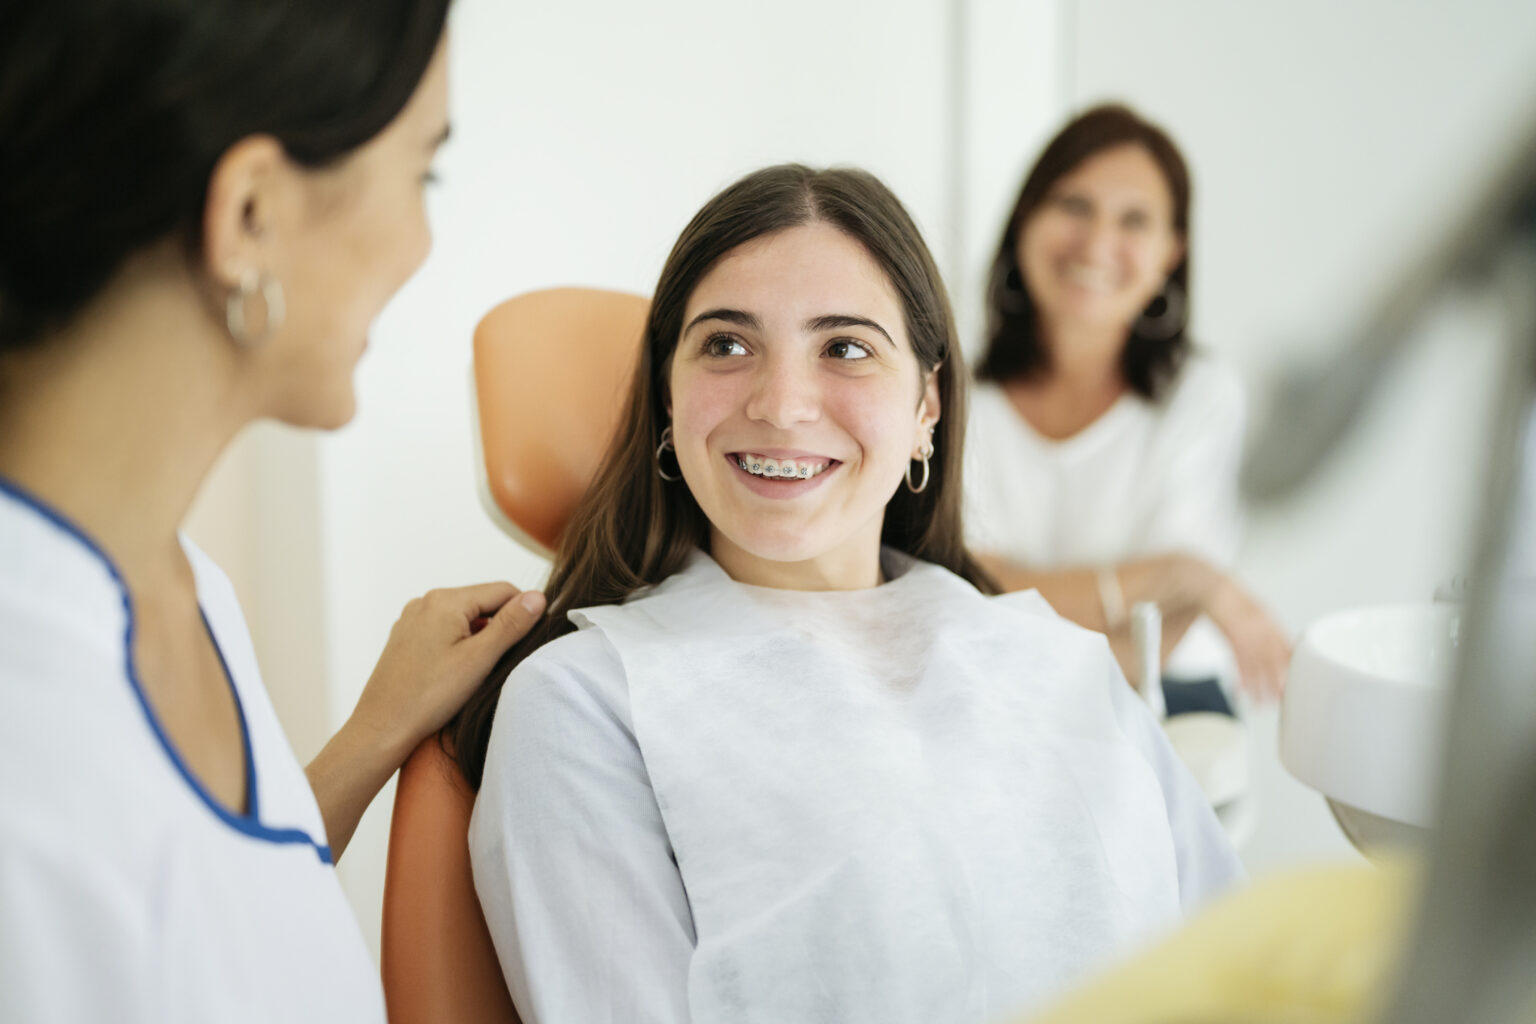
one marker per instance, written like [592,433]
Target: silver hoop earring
[273,306]
[666,445]
[1160,324]
[922,486]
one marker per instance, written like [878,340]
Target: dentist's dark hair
[632,529]
[1015,350]
[114,113]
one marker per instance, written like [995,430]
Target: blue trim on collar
[252,794]
[248,824]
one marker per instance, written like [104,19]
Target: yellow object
[1306,947]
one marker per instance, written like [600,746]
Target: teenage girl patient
[777,754]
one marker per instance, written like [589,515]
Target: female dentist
[203,206]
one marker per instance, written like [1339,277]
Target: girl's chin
[767,542]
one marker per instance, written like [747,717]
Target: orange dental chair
[551,371]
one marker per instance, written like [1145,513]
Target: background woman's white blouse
[1144,478]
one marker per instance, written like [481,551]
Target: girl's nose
[784,393]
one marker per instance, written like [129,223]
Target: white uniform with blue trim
[126,893]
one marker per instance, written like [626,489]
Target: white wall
[1009,91]
[1324,139]
[1330,141]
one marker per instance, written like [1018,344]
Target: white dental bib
[908,803]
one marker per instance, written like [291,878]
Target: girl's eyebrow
[730,316]
[832,321]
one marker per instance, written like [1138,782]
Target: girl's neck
[851,566]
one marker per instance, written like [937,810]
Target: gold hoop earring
[666,445]
[920,487]
[274,308]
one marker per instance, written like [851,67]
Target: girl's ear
[928,411]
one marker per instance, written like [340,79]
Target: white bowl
[1364,707]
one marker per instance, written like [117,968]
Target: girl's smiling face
[796,401]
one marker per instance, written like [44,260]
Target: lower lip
[781,488]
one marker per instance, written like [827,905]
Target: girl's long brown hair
[633,529]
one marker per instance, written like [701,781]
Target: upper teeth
[759,465]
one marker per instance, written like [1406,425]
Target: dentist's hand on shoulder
[439,650]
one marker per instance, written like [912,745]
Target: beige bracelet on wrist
[1111,598]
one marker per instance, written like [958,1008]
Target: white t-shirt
[127,894]
[723,803]
[1142,479]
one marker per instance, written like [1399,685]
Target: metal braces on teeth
[755,467]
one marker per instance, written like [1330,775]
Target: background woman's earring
[666,445]
[1164,316]
[922,485]
[274,310]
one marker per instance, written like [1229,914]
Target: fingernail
[532,601]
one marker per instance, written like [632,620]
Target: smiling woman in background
[774,755]
[1104,450]
[203,206]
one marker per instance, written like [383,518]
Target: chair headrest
[552,374]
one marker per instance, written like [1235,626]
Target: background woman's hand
[1262,650]
[439,650]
